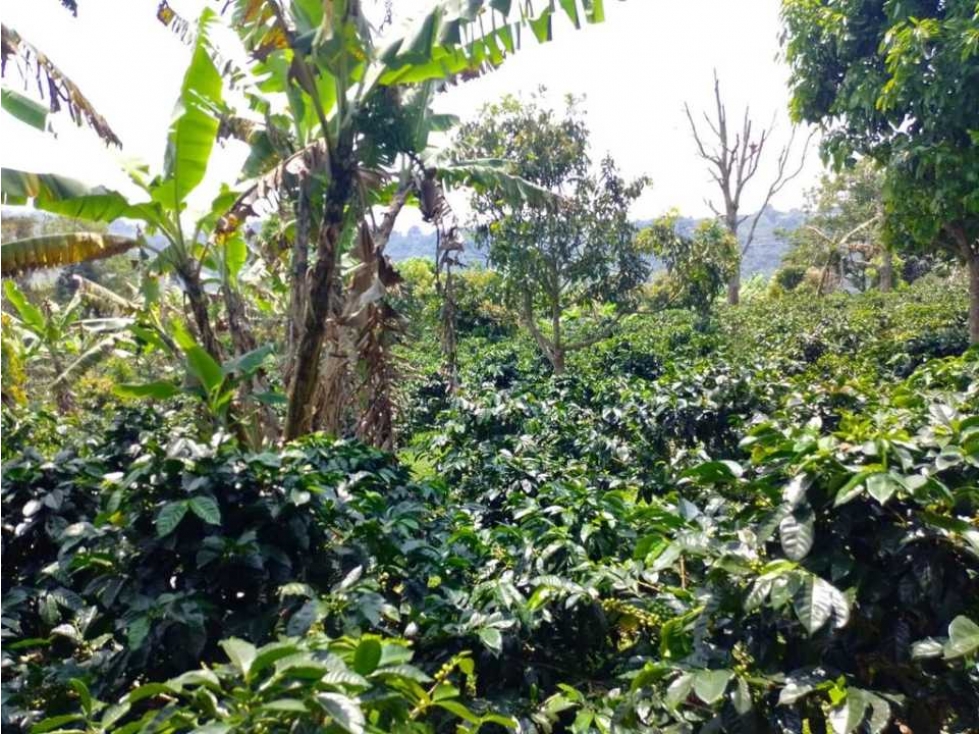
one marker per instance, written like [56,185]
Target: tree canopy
[572,250]
[898,82]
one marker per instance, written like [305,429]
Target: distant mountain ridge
[764,256]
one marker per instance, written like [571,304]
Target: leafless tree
[734,158]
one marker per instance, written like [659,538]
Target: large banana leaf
[62,195]
[467,37]
[24,109]
[493,174]
[72,198]
[50,251]
[36,68]
[195,128]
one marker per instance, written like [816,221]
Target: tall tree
[574,250]
[899,82]
[734,156]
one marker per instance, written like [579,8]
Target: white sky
[635,72]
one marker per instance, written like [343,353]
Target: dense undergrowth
[764,523]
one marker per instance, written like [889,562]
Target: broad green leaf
[241,654]
[797,533]
[344,710]
[367,656]
[194,130]
[847,716]
[147,690]
[679,690]
[817,601]
[797,686]
[24,109]
[963,637]
[206,508]
[882,486]
[927,648]
[84,694]
[203,366]
[249,362]
[492,638]
[880,713]
[456,708]
[169,518]
[55,722]
[29,313]
[235,255]
[271,653]
[709,685]
[62,195]
[137,632]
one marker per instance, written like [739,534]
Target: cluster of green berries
[649,620]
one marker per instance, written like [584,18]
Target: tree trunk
[557,350]
[557,361]
[244,342]
[298,285]
[886,271]
[554,354]
[198,306]
[307,358]
[734,287]
[973,255]
[969,251]
[731,221]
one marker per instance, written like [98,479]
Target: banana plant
[191,139]
[346,99]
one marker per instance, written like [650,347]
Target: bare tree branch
[781,179]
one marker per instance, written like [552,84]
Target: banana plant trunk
[198,307]
[244,341]
[973,254]
[318,307]
[298,294]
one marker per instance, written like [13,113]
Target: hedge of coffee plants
[766,522]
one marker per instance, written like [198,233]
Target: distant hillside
[416,243]
[768,248]
[764,256]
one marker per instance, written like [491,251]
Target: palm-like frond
[49,251]
[484,174]
[60,92]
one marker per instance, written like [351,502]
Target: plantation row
[764,524]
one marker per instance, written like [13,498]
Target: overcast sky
[635,71]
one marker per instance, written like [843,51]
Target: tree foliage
[697,267]
[576,249]
[899,82]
